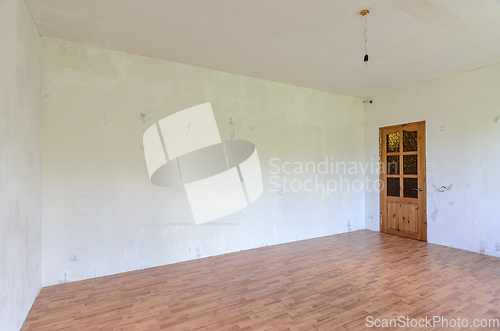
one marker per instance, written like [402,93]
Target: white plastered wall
[20,190]
[462,115]
[98,199]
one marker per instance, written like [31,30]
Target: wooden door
[402,175]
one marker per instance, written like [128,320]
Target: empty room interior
[249,165]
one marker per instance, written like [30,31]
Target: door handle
[418,189]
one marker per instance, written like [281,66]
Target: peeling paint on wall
[20,188]
[98,199]
[461,114]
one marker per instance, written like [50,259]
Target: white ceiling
[314,43]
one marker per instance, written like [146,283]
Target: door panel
[402,217]
[408,219]
[402,173]
[393,209]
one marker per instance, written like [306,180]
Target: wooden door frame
[422,200]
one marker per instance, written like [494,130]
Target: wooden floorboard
[329,283]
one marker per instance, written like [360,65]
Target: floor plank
[329,283]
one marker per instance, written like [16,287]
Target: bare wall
[98,200]
[463,132]
[20,190]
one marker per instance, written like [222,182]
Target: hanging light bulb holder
[363,13]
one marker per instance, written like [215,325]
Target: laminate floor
[329,283]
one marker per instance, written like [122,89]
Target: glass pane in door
[410,141]
[410,188]
[393,187]
[410,165]
[393,164]
[393,142]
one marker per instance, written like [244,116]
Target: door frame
[422,200]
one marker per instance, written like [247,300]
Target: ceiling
[316,44]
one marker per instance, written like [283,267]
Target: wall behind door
[97,197]
[462,115]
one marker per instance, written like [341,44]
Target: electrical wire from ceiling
[365,13]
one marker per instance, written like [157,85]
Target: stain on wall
[20,188]
[432,13]
[116,96]
[462,154]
